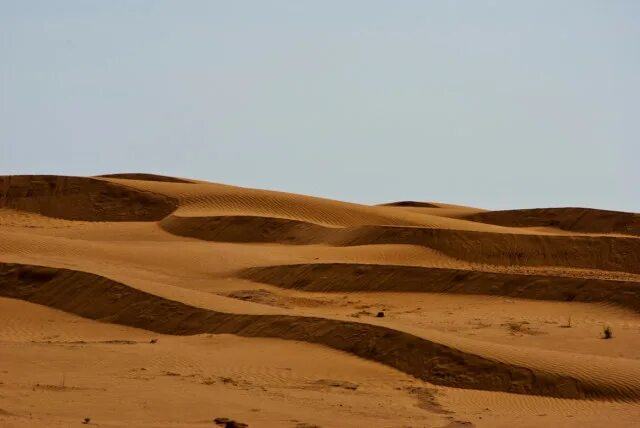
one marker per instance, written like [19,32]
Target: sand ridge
[172,257]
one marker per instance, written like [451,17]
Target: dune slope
[571,219]
[526,295]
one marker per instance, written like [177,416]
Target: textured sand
[262,305]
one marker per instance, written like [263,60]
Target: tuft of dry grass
[568,324]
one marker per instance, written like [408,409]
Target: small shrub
[514,327]
[607,332]
[229,423]
[380,314]
[568,324]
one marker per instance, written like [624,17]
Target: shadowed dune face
[247,229]
[99,298]
[334,277]
[461,301]
[606,253]
[411,204]
[571,219]
[146,177]
[79,198]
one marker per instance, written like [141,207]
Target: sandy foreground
[137,300]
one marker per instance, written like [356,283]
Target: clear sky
[497,104]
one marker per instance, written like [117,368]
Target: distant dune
[571,219]
[206,300]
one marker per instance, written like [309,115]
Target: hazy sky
[498,104]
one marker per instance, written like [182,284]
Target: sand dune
[571,219]
[78,198]
[98,298]
[575,251]
[147,177]
[411,204]
[497,310]
[186,381]
[369,277]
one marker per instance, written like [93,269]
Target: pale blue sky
[498,104]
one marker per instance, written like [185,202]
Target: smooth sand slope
[144,300]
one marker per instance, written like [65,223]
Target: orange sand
[142,300]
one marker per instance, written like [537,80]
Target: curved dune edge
[249,229]
[415,204]
[215,199]
[328,277]
[82,198]
[146,177]
[570,219]
[99,298]
[588,252]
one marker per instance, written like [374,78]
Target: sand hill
[152,301]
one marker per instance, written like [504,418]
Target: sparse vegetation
[522,327]
[229,423]
[568,324]
[361,313]
[514,327]
[607,332]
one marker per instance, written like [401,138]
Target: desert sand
[138,300]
